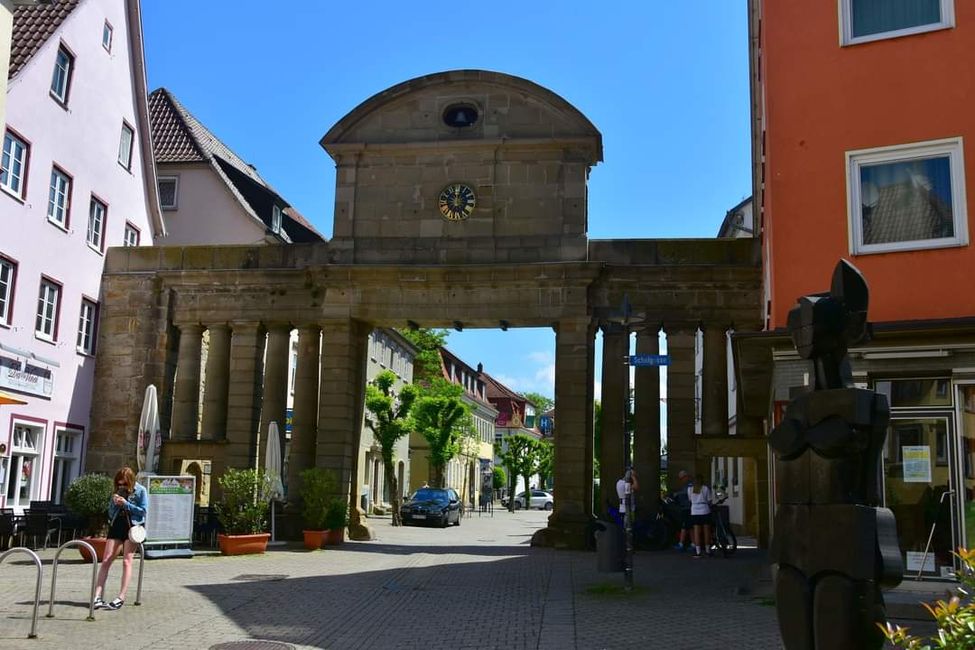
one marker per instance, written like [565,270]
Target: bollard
[37,589]
[94,576]
[142,562]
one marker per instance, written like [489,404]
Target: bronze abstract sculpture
[833,545]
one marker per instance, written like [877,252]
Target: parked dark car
[439,506]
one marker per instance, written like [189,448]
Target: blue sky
[666,83]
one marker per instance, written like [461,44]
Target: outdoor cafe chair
[42,524]
[10,528]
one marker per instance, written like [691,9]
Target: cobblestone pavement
[474,586]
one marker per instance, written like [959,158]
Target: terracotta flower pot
[314,539]
[97,543]
[243,544]
[334,537]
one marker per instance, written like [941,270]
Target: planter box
[97,543]
[243,544]
[334,537]
[314,538]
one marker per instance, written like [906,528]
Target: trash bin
[610,547]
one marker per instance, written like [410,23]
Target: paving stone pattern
[474,586]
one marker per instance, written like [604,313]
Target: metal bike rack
[94,576]
[37,589]
[142,562]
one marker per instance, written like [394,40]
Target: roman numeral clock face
[457,202]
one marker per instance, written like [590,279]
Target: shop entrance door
[920,472]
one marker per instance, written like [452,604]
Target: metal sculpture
[833,545]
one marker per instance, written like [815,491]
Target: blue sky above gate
[666,83]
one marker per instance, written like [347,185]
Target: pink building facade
[76,177]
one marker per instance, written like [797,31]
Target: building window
[67,457]
[61,79]
[276,219]
[870,20]
[13,165]
[96,224]
[132,235]
[59,198]
[107,36]
[8,278]
[48,306]
[24,454]
[86,326]
[907,197]
[125,146]
[168,192]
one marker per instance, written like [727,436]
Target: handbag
[137,532]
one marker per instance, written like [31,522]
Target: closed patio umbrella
[273,467]
[149,441]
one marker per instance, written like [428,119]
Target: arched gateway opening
[460,199]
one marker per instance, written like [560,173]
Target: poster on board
[169,520]
[917,463]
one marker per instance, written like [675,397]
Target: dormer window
[460,116]
[107,36]
[276,220]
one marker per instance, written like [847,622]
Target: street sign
[648,360]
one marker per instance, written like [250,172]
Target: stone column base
[360,532]
[574,533]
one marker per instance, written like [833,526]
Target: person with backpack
[699,495]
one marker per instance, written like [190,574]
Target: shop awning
[7,398]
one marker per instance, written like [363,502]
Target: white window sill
[99,251]
[44,338]
[12,194]
[90,355]
[900,33]
[57,224]
[907,247]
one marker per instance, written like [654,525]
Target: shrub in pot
[318,485]
[336,519]
[243,511]
[87,497]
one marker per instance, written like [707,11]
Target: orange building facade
[862,149]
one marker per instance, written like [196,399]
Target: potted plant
[243,511]
[317,487]
[87,497]
[336,519]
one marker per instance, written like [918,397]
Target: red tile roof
[33,25]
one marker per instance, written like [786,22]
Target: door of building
[24,468]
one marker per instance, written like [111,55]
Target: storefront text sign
[18,374]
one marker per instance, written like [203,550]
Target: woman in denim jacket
[126,508]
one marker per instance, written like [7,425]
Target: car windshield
[430,494]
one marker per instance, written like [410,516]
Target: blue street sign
[648,360]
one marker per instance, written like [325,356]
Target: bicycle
[722,536]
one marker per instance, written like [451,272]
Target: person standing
[699,495]
[680,498]
[126,508]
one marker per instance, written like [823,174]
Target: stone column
[646,427]
[243,398]
[715,390]
[574,369]
[341,401]
[304,423]
[186,405]
[275,382]
[218,379]
[681,443]
[615,404]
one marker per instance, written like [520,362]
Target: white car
[540,499]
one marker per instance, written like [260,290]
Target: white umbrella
[272,467]
[149,441]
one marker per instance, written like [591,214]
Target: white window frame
[48,300]
[846,24]
[276,219]
[59,198]
[20,452]
[96,224]
[108,30]
[60,91]
[66,463]
[132,235]
[8,156]
[952,147]
[125,151]
[87,327]
[7,289]
[175,204]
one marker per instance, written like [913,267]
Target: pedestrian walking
[684,503]
[126,508]
[699,495]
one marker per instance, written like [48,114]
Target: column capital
[245,326]
[308,327]
[189,326]
[217,326]
[277,326]
[681,327]
[610,328]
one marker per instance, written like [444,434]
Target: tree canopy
[540,401]
[426,365]
[443,419]
[388,416]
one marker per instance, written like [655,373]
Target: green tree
[426,365]
[389,420]
[499,478]
[540,401]
[444,420]
[546,462]
[519,454]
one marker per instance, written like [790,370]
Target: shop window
[67,452]
[870,20]
[913,393]
[22,472]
